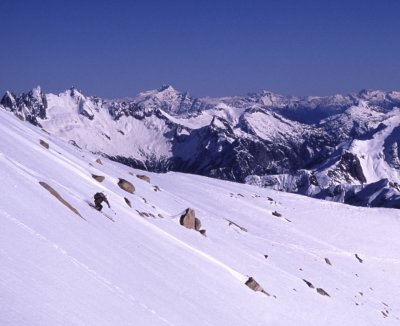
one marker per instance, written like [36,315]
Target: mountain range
[343,148]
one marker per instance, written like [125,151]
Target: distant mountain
[342,148]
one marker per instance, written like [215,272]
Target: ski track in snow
[95,275]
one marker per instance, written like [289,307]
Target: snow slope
[101,134]
[371,151]
[60,269]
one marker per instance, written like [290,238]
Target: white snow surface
[371,151]
[59,269]
[127,137]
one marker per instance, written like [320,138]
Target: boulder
[188,219]
[99,161]
[143,177]
[309,284]
[126,185]
[128,202]
[322,292]
[44,144]
[255,286]
[98,178]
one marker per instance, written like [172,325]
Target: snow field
[58,269]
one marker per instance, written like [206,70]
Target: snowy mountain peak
[36,92]
[74,92]
[167,88]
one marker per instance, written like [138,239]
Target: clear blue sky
[118,48]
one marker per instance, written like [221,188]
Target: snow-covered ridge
[319,263]
[263,135]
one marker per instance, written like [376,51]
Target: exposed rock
[143,177]
[128,202]
[358,258]
[328,261]
[265,256]
[322,292]
[146,214]
[99,161]
[58,196]
[203,232]
[156,188]
[349,166]
[188,219]
[275,213]
[98,178]
[197,224]
[107,136]
[310,285]
[255,286]
[73,143]
[44,144]
[126,185]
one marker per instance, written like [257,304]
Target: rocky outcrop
[58,196]
[128,202]
[322,292]
[98,178]
[309,284]
[143,177]
[44,144]
[29,106]
[126,185]
[189,220]
[349,168]
[255,286]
